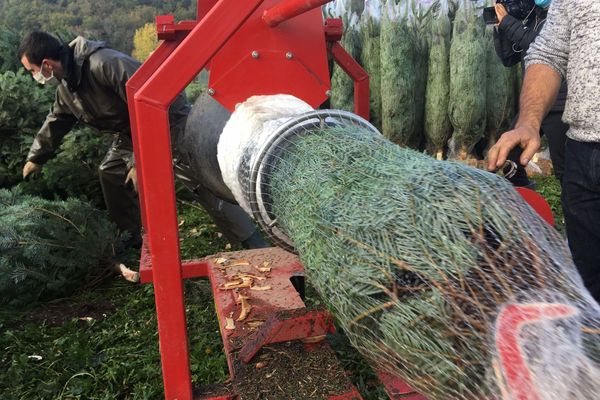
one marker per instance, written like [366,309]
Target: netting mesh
[417,258]
[438,272]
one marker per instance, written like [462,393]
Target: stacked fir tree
[50,249]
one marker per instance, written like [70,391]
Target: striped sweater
[570,43]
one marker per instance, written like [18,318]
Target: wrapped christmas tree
[499,91]
[438,273]
[342,86]
[438,128]
[370,57]
[468,74]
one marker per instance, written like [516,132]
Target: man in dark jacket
[512,38]
[90,80]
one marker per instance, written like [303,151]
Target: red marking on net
[512,318]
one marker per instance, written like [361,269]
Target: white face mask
[40,78]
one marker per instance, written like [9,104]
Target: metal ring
[307,122]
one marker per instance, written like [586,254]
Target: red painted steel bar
[203,7]
[151,103]
[133,85]
[161,224]
[289,9]
[358,75]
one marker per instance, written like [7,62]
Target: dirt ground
[57,313]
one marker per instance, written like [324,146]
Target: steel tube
[289,9]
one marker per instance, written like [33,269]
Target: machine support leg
[164,81]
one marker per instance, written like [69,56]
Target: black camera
[520,9]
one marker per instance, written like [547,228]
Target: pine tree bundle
[419,260]
[49,249]
[398,77]
[422,12]
[371,57]
[468,74]
[500,91]
[342,86]
[437,122]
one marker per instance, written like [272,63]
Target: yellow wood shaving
[229,324]
[260,288]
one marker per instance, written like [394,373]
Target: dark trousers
[555,131]
[122,201]
[581,206]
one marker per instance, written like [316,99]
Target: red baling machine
[250,47]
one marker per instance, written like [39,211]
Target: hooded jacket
[93,93]
[512,39]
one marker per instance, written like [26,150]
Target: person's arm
[57,124]
[540,87]
[546,65]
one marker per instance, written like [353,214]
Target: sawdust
[287,371]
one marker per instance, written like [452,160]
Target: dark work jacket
[512,39]
[92,92]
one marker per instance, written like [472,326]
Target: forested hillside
[114,21]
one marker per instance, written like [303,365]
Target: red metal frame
[162,78]
[151,90]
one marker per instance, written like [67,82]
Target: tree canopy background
[113,21]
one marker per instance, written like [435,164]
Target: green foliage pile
[23,107]
[74,170]
[437,127]
[468,75]
[9,44]
[49,249]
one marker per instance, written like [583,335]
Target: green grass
[113,354]
[549,187]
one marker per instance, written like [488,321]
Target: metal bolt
[289,55]
[255,54]
[211,92]
[328,93]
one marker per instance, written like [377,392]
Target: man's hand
[132,176]
[500,12]
[30,168]
[526,137]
